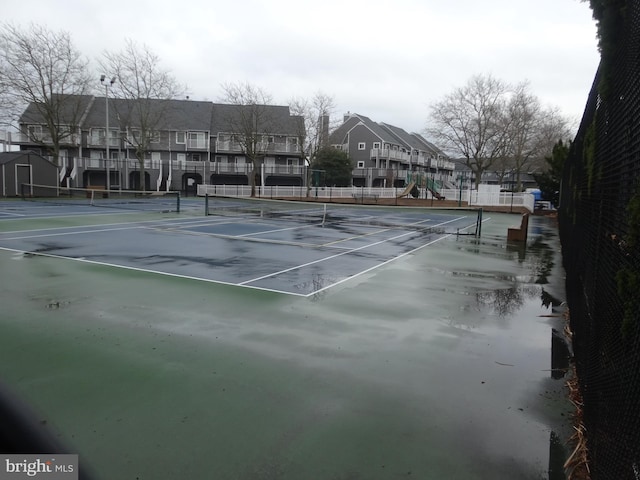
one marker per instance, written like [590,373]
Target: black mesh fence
[600,233]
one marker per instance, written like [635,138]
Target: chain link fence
[600,234]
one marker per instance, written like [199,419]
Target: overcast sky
[386,59]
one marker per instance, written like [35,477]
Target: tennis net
[99,197]
[458,221]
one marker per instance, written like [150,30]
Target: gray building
[25,167]
[191,143]
[385,155]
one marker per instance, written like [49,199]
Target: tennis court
[285,247]
[253,343]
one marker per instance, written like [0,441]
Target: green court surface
[435,365]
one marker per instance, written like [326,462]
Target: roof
[271,118]
[429,145]
[72,108]
[8,157]
[183,115]
[404,137]
[339,135]
[171,114]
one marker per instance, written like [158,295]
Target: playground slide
[407,190]
[433,187]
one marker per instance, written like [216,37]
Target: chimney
[323,130]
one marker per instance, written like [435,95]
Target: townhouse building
[200,142]
[192,142]
[388,156]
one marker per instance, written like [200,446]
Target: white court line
[146,270]
[99,225]
[379,265]
[390,260]
[275,230]
[330,257]
[132,227]
[346,252]
[2,212]
[385,229]
[247,239]
[28,216]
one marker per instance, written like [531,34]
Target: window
[134,136]
[156,158]
[181,137]
[34,133]
[362,146]
[97,136]
[195,157]
[360,164]
[376,144]
[154,137]
[114,137]
[196,139]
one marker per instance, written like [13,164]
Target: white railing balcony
[228,146]
[232,168]
[43,138]
[388,154]
[421,161]
[196,143]
[280,147]
[284,169]
[446,165]
[114,142]
[277,147]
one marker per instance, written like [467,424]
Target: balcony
[388,154]
[245,168]
[227,146]
[94,141]
[294,170]
[42,139]
[116,164]
[446,165]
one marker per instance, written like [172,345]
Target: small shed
[21,167]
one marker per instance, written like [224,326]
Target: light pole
[106,136]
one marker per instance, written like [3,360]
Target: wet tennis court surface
[294,252]
[137,336]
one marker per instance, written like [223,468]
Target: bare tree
[523,117]
[469,123]
[554,127]
[532,131]
[41,71]
[250,122]
[145,90]
[317,113]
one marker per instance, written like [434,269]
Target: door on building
[23,176]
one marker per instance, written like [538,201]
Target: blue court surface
[295,252]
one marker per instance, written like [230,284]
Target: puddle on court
[436,365]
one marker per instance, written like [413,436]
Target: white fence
[470,197]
